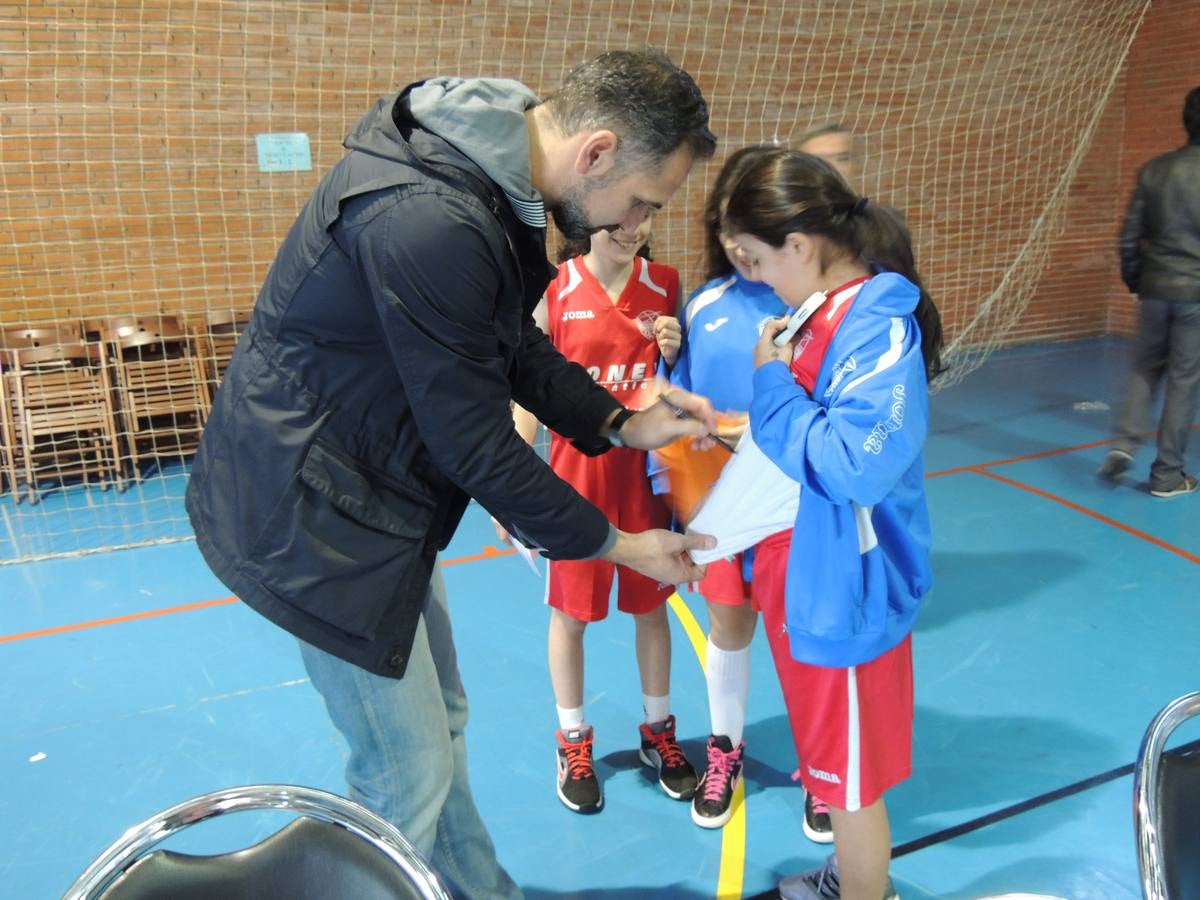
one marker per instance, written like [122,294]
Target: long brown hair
[792,191]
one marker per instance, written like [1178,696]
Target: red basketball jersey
[613,341]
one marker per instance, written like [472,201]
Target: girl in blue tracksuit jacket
[843,409]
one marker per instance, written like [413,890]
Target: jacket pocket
[839,593]
[343,542]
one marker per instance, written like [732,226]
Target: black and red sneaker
[661,752]
[578,787]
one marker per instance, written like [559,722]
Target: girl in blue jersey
[843,410]
[721,324]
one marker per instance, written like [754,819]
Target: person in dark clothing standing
[368,401]
[1160,262]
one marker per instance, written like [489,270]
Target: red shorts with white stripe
[852,727]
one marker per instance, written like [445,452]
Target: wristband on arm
[613,428]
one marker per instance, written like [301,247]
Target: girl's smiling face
[621,246]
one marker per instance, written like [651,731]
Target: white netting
[130,183]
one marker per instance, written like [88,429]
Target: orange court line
[131,617]
[1128,529]
[489,552]
[1041,454]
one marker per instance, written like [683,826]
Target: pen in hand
[680,413]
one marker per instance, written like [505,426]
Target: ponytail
[884,243]
[792,191]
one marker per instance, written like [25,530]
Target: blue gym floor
[1063,617]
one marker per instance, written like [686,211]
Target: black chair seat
[305,860]
[1166,807]
[1179,811]
[334,849]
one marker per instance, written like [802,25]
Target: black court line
[1008,812]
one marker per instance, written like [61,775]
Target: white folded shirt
[751,500]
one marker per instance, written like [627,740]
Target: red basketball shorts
[852,727]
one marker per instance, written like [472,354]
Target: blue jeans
[1167,350]
[408,755]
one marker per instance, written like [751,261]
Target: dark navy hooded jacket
[369,397]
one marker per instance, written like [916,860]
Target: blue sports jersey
[721,324]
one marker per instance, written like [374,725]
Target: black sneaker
[1186,485]
[1116,464]
[578,787]
[823,884]
[712,806]
[660,751]
[817,826]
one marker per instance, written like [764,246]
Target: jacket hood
[482,118]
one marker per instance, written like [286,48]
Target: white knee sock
[728,675]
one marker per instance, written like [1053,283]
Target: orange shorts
[852,727]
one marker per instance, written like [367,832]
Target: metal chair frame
[1147,814]
[321,805]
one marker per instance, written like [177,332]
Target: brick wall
[129,179]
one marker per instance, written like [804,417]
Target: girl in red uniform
[613,311]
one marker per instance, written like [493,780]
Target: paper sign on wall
[285,151]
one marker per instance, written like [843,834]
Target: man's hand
[669,337]
[765,350]
[661,555]
[681,415]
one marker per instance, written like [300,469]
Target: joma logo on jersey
[578,314]
[616,379]
[824,776]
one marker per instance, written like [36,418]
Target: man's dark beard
[572,221]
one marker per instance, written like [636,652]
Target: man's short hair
[1191,114]
[653,106]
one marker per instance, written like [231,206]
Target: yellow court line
[733,835]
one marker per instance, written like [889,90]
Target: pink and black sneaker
[712,806]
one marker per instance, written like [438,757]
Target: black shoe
[817,826]
[578,787]
[712,806]
[1186,485]
[660,751]
[1116,464]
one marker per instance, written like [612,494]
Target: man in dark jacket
[368,400]
[1160,262]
